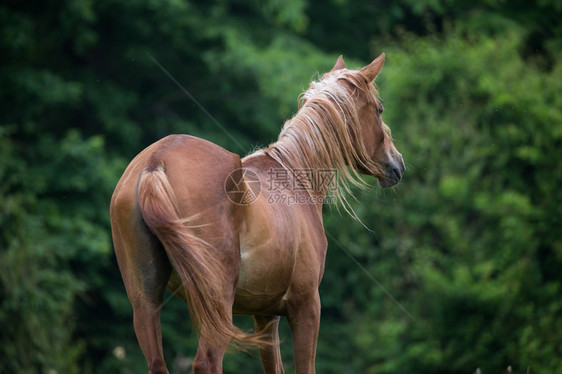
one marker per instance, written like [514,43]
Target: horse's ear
[374,68]
[339,64]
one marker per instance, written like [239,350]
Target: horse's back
[195,167]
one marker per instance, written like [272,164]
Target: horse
[245,236]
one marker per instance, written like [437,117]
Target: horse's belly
[265,277]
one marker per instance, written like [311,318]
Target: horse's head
[384,161]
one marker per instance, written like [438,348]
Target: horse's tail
[200,272]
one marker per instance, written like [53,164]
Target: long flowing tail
[192,259]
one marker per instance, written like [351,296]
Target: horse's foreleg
[270,355]
[304,319]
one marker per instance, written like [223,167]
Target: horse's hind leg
[145,270]
[208,359]
[270,355]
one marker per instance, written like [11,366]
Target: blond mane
[326,131]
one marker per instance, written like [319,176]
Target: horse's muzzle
[393,172]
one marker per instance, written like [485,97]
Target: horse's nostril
[398,173]
[401,164]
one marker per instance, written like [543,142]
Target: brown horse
[232,236]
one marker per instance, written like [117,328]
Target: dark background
[468,244]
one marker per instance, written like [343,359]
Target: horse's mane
[325,133]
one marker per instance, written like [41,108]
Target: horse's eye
[380,109]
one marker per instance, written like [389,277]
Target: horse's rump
[182,200]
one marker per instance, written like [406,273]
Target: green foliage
[37,292]
[461,241]
[468,243]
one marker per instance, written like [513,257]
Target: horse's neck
[316,174]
